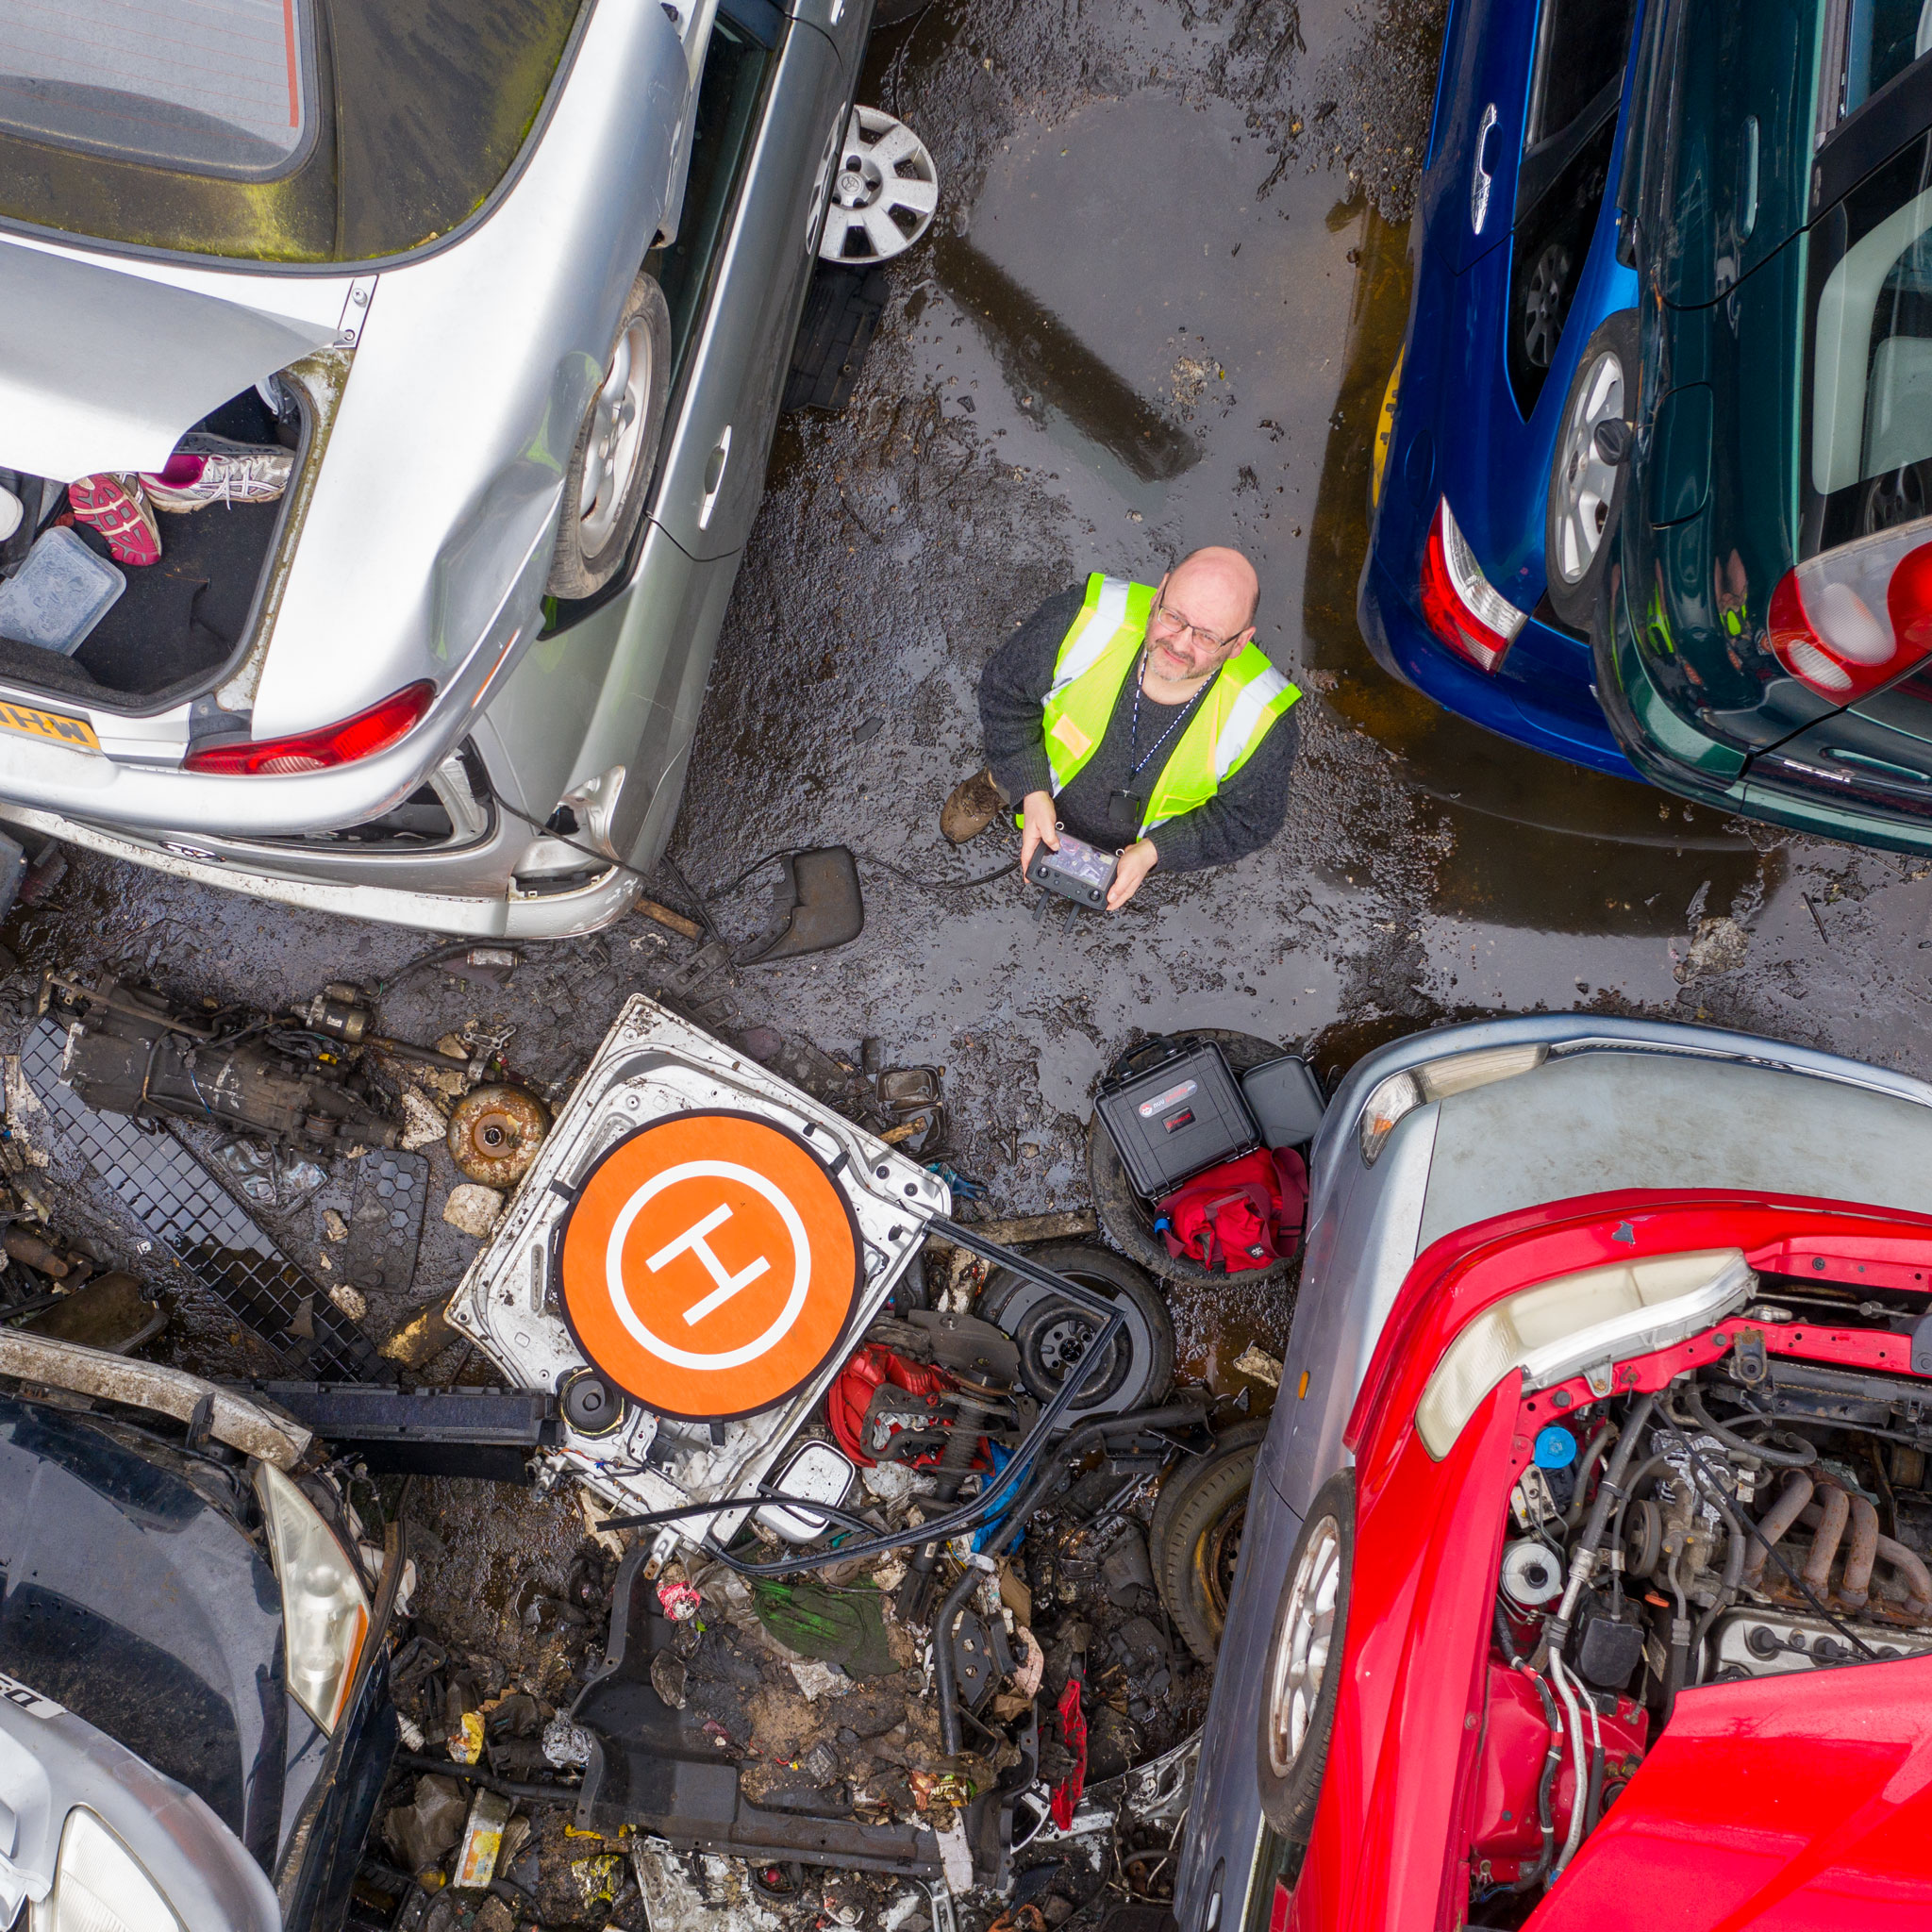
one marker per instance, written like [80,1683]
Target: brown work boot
[973,806]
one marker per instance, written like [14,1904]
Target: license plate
[23,1697]
[54,724]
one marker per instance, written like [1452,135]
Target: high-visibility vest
[1101,650]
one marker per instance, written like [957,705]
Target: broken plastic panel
[816,905]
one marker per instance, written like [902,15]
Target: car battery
[1286,1100]
[1172,1109]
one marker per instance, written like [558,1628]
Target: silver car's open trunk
[179,624]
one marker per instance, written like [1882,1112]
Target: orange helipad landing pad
[708,1265]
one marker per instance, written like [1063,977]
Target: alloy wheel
[1586,483]
[619,411]
[1302,1649]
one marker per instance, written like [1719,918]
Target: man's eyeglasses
[1166,623]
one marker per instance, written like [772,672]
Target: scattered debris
[424,1123]
[352,1301]
[1256,1362]
[334,1227]
[420,1339]
[473,1209]
[1720,946]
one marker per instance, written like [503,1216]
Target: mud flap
[816,905]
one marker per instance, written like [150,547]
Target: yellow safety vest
[1096,657]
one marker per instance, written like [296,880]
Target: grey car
[516,286]
[1433,1135]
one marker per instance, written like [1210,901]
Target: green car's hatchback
[1754,564]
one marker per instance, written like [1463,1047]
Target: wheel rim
[884,193]
[1542,305]
[1301,1651]
[617,430]
[1585,482]
[1218,1553]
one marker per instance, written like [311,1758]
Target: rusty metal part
[1834,1508]
[494,1133]
[1855,1589]
[1912,1567]
[1775,1523]
[148,1385]
[35,1252]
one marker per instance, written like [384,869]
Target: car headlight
[99,1885]
[325,1607]
[1578,1323]
[1401,1094]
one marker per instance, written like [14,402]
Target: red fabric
[1074,1736]
[1245,1213]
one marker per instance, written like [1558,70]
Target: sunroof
[215,87]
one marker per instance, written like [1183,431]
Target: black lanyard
[1140,671]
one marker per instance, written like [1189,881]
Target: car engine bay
[1766,1513]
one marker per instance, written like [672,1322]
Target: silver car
[517,289]
[1432,1135]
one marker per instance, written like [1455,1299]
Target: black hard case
[1172,1109]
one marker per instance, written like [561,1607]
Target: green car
[1754,565]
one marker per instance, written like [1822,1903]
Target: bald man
[1143,719]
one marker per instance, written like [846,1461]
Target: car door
[736,276]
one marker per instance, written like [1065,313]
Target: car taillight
[1852,619]
[360,737]
[1459,604]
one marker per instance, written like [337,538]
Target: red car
[1609,1606]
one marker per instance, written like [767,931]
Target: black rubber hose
[1612,1485]
[1599,1446]
[470,1773]
[1042,1480]
[1532,1875]
[1803,1457]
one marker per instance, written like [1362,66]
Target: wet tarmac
[1167,284]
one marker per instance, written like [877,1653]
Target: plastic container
[58,595]
[1172,1109]
[1287,1101]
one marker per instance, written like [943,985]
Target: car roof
[1605,1120]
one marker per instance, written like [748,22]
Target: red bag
[1245,1213]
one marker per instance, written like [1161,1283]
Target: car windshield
[1871,415]
[211,86]
[268,130]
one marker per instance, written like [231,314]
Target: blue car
[1516,266]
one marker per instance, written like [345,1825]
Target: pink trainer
[114,504]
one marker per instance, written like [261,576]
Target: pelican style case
[1170,1107]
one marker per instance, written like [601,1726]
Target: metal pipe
[1912,1567]
[1854,1591]
[1772,1525]
[1578,1790]
[1042,1480]
[1834,1508]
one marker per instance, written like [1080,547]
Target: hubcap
[617,427]
[1301,1649]
[1585,482]
[884,193]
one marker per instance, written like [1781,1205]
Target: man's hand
[1038,825]
[1136,861]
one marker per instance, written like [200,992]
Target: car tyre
[607,483]
[1587,491]
[1196,1530]
[1140,1369]
[1129,1220]
[1301,1681]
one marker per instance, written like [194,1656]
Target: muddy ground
[1159,309]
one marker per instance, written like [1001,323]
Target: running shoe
[210,468]
[113,504]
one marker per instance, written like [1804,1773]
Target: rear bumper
[502,912]
[1404,646]
[1673,755]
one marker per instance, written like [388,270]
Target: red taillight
[360,737]
[1848,621]
[1460,605]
